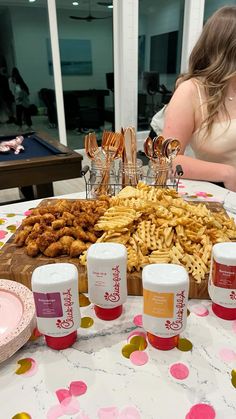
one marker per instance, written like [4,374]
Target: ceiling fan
[90,17]
[103,3]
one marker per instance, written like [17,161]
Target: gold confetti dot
[192,196]
[83,300]
[139,341]
[11,228]
[209,194]
[86,322]
[35,335]
[233,379]
[10,215]
[128,349]
[184,345]
[25,365]
[22,415]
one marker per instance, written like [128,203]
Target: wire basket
[115,188]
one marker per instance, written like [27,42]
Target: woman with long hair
[21,94]
[202,110]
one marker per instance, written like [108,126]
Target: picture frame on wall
[76,57]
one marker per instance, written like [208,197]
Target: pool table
[43,161]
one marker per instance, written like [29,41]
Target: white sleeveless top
[220,145]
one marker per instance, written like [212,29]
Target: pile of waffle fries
[158,226]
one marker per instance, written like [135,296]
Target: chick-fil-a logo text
[177,324]
[232,295]
[115,295]
[67,323]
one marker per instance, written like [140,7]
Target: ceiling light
[110,6]
[32,1]
[75,3]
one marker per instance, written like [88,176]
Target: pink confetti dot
[203,194]
[179,371]
[129,412]
[199,310]
[138,320]
[108,413]
[138,358]
[181,186]
[77,388]
[28,212]
[62,393]
[234,326]
[227,355]
[201,411]
[136,333]
[33,369]
[3,234]
[70,406]
[55,412]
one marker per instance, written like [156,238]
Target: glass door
[24,33]
[159,55]
[85,31]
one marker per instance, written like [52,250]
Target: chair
[48,98]
[151,86]
[143,117]
[72,112]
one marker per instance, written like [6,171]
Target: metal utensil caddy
[116,187]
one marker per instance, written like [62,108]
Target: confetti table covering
[93,379]
[167,385]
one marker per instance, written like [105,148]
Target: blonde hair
[213,61]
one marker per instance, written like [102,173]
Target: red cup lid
[164,344]
[224,312]
[108,313]
[62,342]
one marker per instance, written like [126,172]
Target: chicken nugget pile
[158,226]
[61,228]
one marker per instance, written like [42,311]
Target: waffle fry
[160,256]
[132,259]
[116,217]
[195,266]
[115,237]
[146,232]
[176,254]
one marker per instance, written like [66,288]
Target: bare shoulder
[184,96]
[187,87]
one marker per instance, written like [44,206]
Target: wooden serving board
[16,265]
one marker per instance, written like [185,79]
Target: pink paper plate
[17,317]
